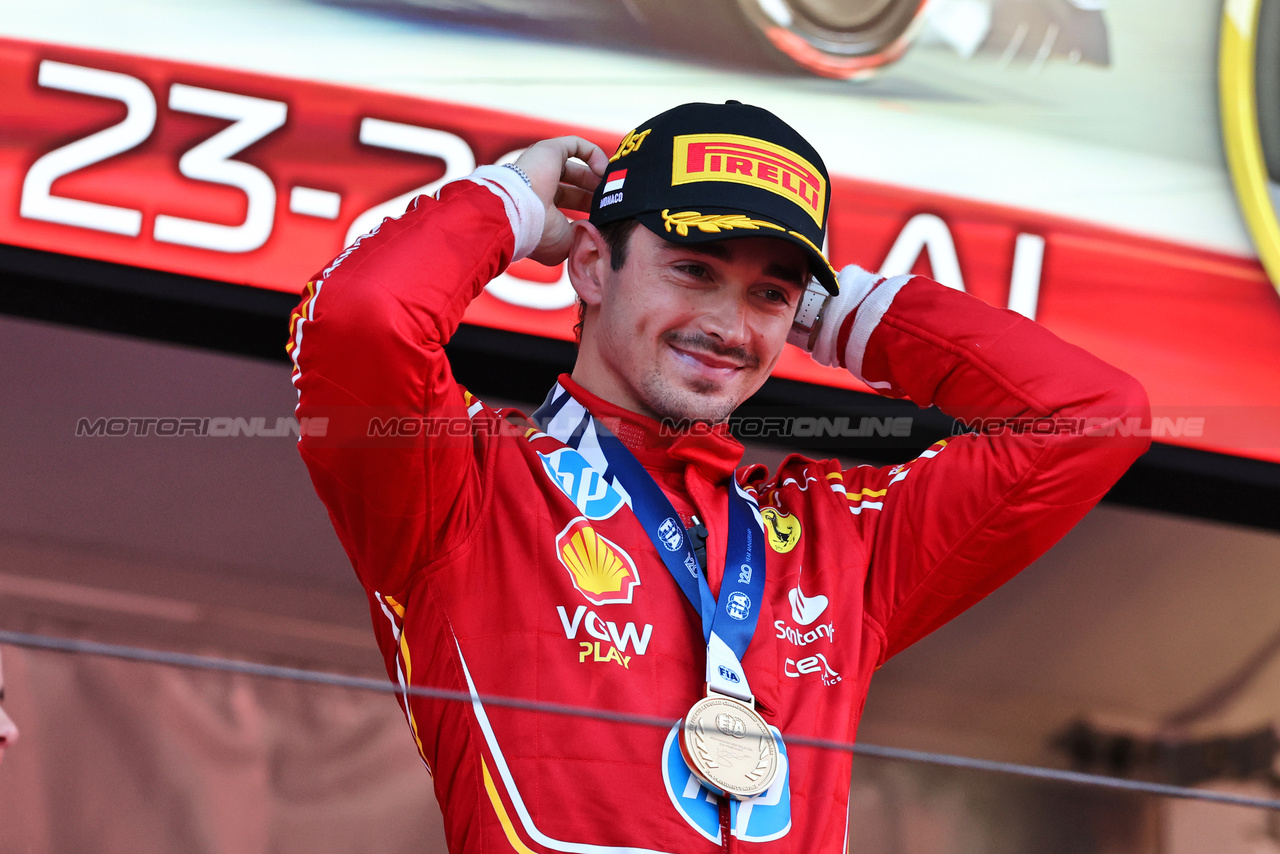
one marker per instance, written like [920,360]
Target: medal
[723,739]
[728,746]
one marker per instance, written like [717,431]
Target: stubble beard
[695,399]
[693,402]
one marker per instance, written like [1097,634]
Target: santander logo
[806,609]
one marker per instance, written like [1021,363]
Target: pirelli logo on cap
[746,160]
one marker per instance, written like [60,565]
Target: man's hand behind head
[561,181]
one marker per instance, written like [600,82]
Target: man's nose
[725,318]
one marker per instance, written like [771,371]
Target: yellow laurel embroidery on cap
[630,143]
[746,160]
[711,223]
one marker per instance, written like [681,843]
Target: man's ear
[588,262]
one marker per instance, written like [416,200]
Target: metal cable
[203,662]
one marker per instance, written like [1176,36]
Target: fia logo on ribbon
[739,605]
[671,533]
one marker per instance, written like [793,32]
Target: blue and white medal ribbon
[728,624]
[726,742]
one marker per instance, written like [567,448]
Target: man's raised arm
[367,344]
[973,510]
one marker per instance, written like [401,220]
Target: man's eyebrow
[722,252]
[798,275]
[715,250]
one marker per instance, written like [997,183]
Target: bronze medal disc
[729,747]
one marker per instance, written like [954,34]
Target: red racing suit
[495,564]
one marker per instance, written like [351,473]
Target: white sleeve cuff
[866,321]
[855,284]
[524,209]
[858,293]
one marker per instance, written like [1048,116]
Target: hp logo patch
[765,817]
[594,496]
[738,606]
[728,675]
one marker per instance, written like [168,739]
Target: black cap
[703,172]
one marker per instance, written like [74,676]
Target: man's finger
[588,152]
[573,198]
[560,181]
[579,175]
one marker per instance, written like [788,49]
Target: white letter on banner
[459,161]
[139,120]
[211,161]
[925,231]
[1024,281]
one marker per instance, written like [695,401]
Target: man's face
[8,731]
[690,331]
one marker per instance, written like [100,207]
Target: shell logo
[599,568]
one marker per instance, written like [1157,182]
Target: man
[552,560]
[8,729]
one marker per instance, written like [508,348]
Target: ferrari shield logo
[783,529]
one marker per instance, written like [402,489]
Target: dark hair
[617,236]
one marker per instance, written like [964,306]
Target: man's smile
[706,363]
[708,357]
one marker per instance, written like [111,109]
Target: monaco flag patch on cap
[614,182]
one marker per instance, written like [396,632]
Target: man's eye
[696,270]
[777,296]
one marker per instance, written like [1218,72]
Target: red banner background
[1201,329]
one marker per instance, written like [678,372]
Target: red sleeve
[974,510]
[367,343]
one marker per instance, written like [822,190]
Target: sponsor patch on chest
[600,569]
[603,641]
[783,529]
[569,470]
